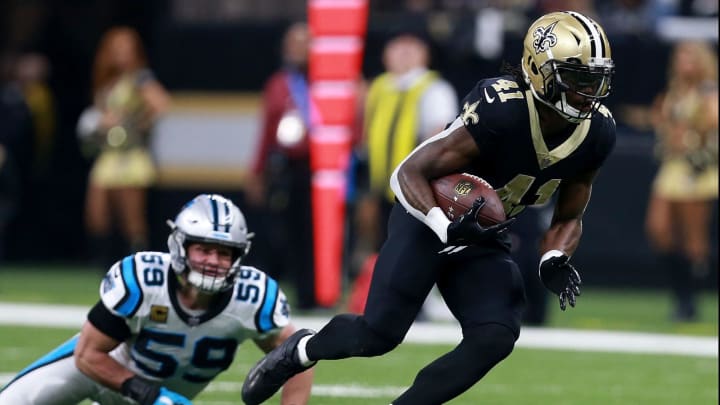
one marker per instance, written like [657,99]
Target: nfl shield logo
[463,188]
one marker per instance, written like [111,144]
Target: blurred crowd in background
[78,180]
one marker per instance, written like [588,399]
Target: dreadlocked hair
[516,72]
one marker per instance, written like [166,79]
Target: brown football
[455,194]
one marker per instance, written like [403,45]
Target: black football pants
[482,286]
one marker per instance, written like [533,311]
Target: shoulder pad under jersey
[260,301]
[130,280]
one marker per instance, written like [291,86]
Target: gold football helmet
[567,52]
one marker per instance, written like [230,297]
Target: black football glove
[560,277]
[146,393]
[466,229]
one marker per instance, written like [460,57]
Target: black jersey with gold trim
[523,166]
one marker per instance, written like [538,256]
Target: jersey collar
[545,157]
[216,307]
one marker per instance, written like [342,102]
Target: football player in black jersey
[530,135]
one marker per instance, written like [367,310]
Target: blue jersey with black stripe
[183,348]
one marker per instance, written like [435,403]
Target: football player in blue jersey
[538,130]
[167,324]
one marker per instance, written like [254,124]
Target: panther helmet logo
[544,38]
[463,188]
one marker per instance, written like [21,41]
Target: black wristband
[142,391]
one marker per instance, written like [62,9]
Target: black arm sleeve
[108,323]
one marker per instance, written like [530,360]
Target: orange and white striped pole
[337,28]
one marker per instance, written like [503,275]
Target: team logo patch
[463,188]
[469,116]
[159,313]
[108,283]
[544,38]
[284,307]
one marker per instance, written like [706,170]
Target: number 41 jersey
[523,166]
[183,348]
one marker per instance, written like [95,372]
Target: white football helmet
[208,218]
[567,52]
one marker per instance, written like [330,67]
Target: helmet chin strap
[569,112]
[562,107]
[558,106]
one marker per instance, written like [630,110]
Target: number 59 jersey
[186,349]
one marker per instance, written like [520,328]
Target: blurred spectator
[128,100]
[633,17]
[32,70]
[277,192]
[16,130]
[223,11]
[406,105]
[586,7]
[9,186]
[680,208]
[698,8]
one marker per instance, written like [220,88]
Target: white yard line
[325,390]
[322,390]
[62,316]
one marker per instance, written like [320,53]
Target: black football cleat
[273,370]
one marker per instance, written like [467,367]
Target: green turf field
[630,310]
[528,376]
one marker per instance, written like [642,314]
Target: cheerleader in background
[685,117]
[127,102]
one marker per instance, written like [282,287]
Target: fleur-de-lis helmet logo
[544,38]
